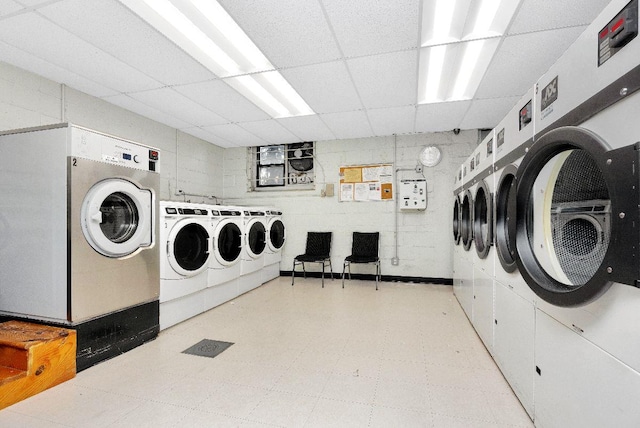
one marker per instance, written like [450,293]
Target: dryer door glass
[456,221]
[256,239]
[190,247]
[229,242]
[276,235]
[119,217]
[482,220]
[568,222]
[466,227]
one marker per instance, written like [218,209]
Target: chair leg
[293,272]
[304,271]
[377,273]
[344,267]
[322,274]
[331,269]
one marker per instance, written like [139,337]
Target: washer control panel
[618,32]
[104,148]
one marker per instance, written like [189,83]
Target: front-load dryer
[578,192]
[514,311]
[227,233]
[185,248]
[465,289]
[276,236]
[253,248]
[481,189]
[456,223]
[81,245]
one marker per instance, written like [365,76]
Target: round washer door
[456,221]
[569,184]
[482,220]
[116,217]
[256,235]
[276,235]
[227,239]
[188,248]
[466,225]
[505,219]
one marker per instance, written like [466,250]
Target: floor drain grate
[207,348]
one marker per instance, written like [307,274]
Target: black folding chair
[364,249]
[318,250]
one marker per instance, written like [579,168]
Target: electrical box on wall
[413,194]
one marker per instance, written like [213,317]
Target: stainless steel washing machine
[578,222]
[464,289]
[81,247]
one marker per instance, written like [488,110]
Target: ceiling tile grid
[354,63]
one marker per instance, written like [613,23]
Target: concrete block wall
[187,163]
[424,237]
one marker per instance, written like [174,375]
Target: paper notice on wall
[346,191]
[352,175]
[371,174]
[386,174]
[375,191]
[361,192]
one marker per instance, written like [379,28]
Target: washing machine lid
[577,216]
[188,247]
[482,220]
[227,241]
[117,217]
[255,237]
[276,235]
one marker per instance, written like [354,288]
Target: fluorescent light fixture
[461,37]
[205,30]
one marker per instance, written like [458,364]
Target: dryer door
[188,248]
[276,235]
[570,246]
[256,236]
[456,221]
[227,239]
[116,217]
[482,220]
[466,226]
[505,219]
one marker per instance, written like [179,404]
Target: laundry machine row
[566,232]
[80,244]
[209,255]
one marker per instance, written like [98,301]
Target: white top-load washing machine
[514,314]
[80,244]
[185,249]
[578,226]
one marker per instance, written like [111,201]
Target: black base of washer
[110,335]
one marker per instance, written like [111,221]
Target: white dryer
[578,223]
[514,313]
[227,233]
[457,233]
[481,188]
[185,248]
[80,247]
[465,288]
[253,248]
[276,236]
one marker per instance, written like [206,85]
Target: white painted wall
[198,167]
[424,237]
[186,162]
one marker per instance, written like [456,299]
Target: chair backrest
[365,244]
[318,244]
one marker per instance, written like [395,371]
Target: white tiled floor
[303,356]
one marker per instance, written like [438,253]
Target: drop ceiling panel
[395,120]
[307,128]
[9,6]
[487,113]
[353,124]
[171,102]
[271,131]
[27,61]
[366,27]
[220,98]
[536,15]
[325,87]
[111,27]
[207,136]
[45,40]
[440,117]
[289,32]
[128,103]
[387,80]
[522,59]
[235,135]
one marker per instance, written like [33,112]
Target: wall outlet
[395,261]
